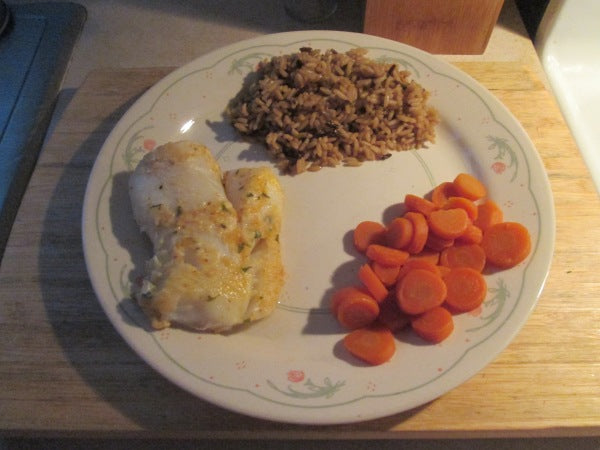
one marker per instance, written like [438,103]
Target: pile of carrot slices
[426,266]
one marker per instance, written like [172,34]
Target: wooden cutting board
[65,371]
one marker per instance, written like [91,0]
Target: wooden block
[437,26]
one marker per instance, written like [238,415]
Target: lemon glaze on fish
[217,259]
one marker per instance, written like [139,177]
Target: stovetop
[35,48]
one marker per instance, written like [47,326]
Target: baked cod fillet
[217,260]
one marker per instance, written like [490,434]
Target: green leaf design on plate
[246,63]
[134,151]
[500,295]
[311,390]
[504,152]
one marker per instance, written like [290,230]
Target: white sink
[568,43]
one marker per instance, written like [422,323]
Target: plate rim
[303,36]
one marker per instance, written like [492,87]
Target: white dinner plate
[291,366]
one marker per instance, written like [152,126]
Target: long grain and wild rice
[315,109]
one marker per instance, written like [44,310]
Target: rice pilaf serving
[315,110]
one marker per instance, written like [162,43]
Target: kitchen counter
[65,371]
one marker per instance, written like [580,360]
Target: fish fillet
[217,259]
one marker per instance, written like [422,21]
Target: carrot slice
[419,204]
[387,274]
[420,231]
[506,244]
[466,289]
[434,325]
[399,233]
[367,233]
[464,203]
[444,270]
[441,193]
[373,284]
[419,291]
[466,185]
[391,317]
[436,243]
[344,293]
[386,256]
[468,255]
[472,235]
[357,312]
[416,263]
[488,214]
[428,255]
[448,223]
[374,345]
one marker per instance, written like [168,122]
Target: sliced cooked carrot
[443,270]
[466,289]
[466,185]
[428,255]
[506,244]
[488,214]
[391,316]
[419,291]
[387,274]
[347,292]
[467,255]
[386,256]
[420,231]
[419,204]
[416,263]
[434,325]
[441,193]
[472,235]
[464,203]
[373,284]
[399,233]
[436,243]
[374,345]
[433,254]
[367,233]
[448,223]
[357,312]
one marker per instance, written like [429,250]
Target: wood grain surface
[436,26]
[64,370]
